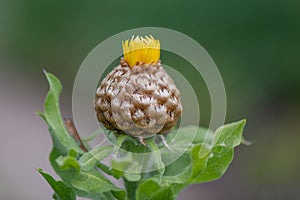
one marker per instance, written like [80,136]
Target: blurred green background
[255,45]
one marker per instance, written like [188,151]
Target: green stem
[104,168]
[131,188]
[118,145]
[160,165]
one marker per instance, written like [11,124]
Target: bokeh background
[255,45]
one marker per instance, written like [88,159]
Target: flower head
[138,97]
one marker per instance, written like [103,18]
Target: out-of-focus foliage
[254,43]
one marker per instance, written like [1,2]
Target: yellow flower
[141,50]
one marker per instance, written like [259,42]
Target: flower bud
[138,97]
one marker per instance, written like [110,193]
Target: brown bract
[140,100]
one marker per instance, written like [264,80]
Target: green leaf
[73,153]
[89,160]
[189,165]
[83,180]
[126,166]
[132,176]
[92,136]
[57,151]
[53,116]
[109,170]
[179,171]
[111,195]
[63,191]
[230,135]
[65,174]
[195,134]
[94,196]
[42,115]
[219,159]
[119,194]
[151,189]
[68,162]
[92,182]
[208,157]
[198,163]
[62,141]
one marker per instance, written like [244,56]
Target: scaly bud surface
[138,97]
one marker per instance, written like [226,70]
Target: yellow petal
[141,50]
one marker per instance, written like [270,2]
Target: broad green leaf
[55,141]
[63,191]
[109,195]
[219,159]
[92,182]
[179,171]
[217,164]
[53,116]
[210,160]
[198,164]
[204,135]
[188,165]
[151,189]
[195,134]
[94,196]
[210,155]
[178,166]
[57,151]
[230,135]
[89,160]
[56,197]
[179,140]
[82,181]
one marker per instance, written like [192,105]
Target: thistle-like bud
[138,97]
